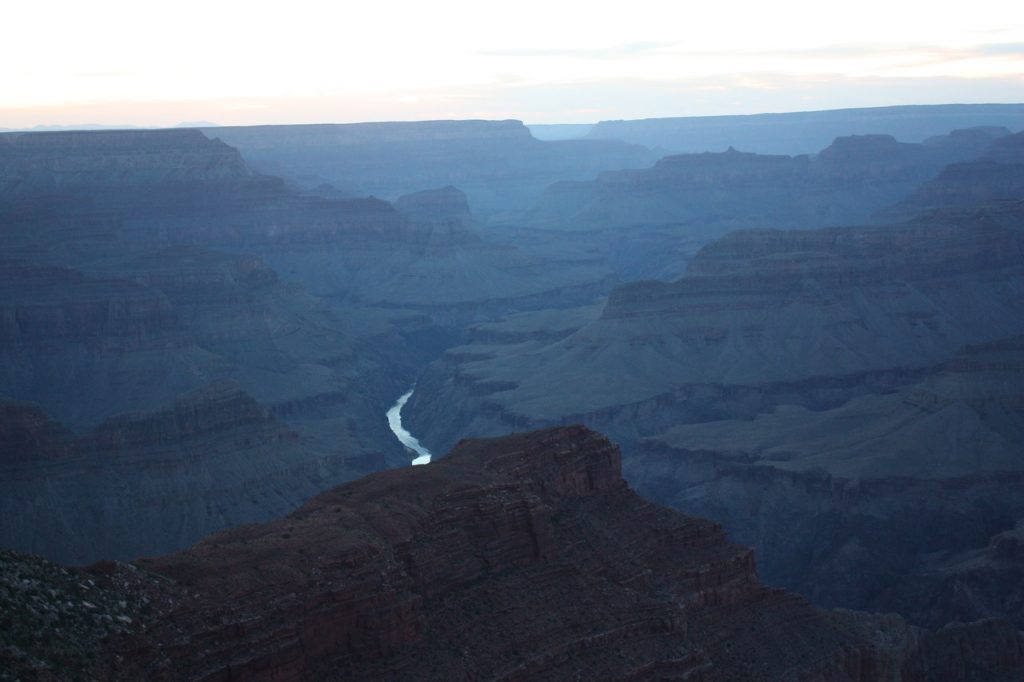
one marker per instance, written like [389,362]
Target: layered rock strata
[762,317]
[649,221]
[153,482]
[525,557]
[499,164]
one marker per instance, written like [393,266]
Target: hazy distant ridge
[805,132]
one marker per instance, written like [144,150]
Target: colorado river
[406,438]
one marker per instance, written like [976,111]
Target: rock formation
[499,165]
[846,400]
[142,266]
[525,557]
[908,501]
[153,482]
[996,176]
[649,222]
[810,317]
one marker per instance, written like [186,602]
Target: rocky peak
[571,461]
[862,147]
[712,168]
[517,558]
[442,213]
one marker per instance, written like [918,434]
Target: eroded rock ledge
[523,557]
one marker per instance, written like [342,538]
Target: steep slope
[144,328]
[805,132]
[847,400]
[762,317]
[997,175]
[190,190]
[525,557]
[154,482]
[34,164]
[141,266]
[649,221]
[908,501]
[441,265]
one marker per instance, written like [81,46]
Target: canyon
[204,333]
[864,380]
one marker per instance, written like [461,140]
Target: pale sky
[156,63]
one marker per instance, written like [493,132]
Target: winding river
[407,439]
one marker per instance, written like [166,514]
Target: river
[406,438]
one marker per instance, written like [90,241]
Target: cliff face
[42,163]
[801,314]
[36,308]
[908,501]
[842,184]
[656,218]
[847,400]
[141,267]
[996,176]
[498,164]
[27,434]
[442,217]
[525,557]
[93,193]
[153,482]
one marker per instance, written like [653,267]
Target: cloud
[611,52]
[1001,48]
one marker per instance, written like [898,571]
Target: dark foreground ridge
[523,557]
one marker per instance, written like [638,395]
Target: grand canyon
[690,398]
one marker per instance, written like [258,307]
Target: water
[406,438]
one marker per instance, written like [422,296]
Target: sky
[229,62]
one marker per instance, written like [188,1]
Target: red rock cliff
[525,557]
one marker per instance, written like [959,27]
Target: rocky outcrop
[153,482]
[841,184]
[649,222]
[442,217]
[813,380]
[42,305]
[805,132]
[810,316]
[80,162]
[54,620]
[142,328]
[996,176]
[363,249]
[906,501]
[27,434]
[525,557]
